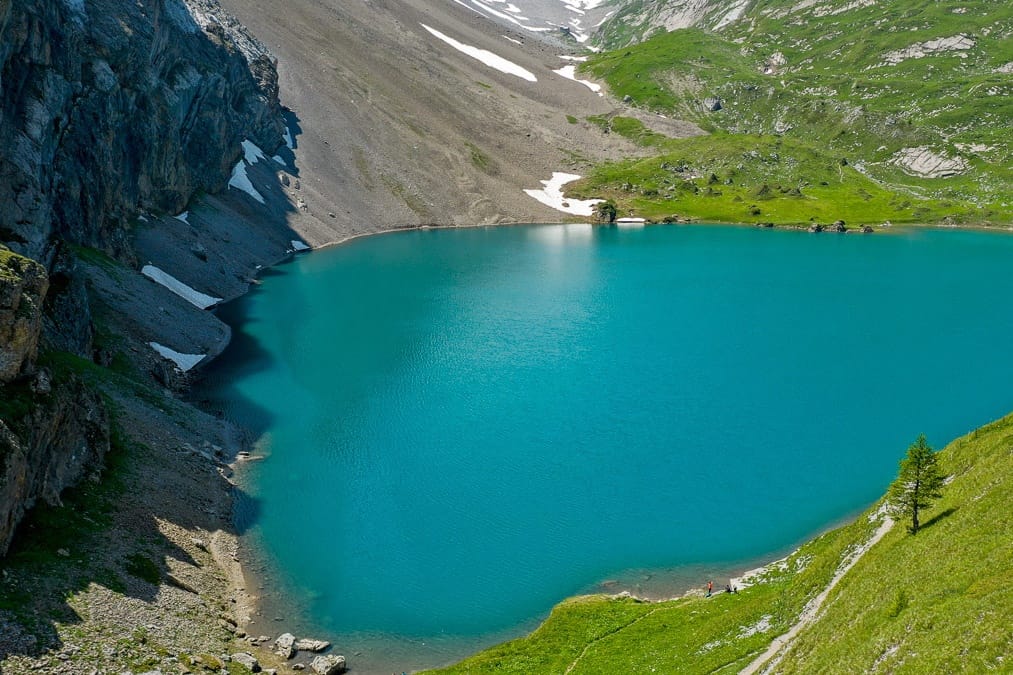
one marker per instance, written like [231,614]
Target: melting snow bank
[241,181]
[251,153]
[570,73]
[486,57]
[179,288]
[552,195]
[183,361]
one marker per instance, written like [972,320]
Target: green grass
[834,99]
[736,178]
[938,601]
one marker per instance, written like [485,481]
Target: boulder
[310,645]
[247,660]
[838,226]
[328,665]
[284,646]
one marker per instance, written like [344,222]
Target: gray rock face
[107,108]
[328,665]
[64,436]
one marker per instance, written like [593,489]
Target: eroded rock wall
[108,108]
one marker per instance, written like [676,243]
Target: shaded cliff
[108,111]
[108,108]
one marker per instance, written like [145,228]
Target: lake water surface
[463,427]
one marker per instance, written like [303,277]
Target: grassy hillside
[939,601]
[853,91]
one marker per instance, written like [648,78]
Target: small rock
[248,660]
[867,229]
[42,384]
[627,99]
[199,543]
[331,664]
[299,666]
[63,553]
[310,645]
[284,179]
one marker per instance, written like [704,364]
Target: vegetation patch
[830,86]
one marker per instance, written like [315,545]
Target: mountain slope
[912,98]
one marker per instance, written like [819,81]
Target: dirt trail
[779,647]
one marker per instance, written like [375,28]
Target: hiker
[710,588]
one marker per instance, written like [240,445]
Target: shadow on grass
[936,518]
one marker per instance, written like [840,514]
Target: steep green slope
[912,98]
[939,601]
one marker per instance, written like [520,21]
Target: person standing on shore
[710,588]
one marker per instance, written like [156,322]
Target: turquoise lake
[463,427]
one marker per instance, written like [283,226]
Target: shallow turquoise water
[464,427]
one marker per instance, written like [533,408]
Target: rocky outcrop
[924,162]
[48,445]
[110,108]
[956,43]
[23,285]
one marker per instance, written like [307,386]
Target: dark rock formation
[63,436]
[108,108]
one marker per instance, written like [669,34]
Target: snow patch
[182,217]
[516,42]
[299,246]
[192,296]
[630,222]
[251,153]
[488,58]
[241,181]
[552,195]
[288,138]
[277,158]
[183,361]
[570,73]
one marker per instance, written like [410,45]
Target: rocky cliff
[108,110]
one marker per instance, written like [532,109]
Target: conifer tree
[919,482]
[605,212]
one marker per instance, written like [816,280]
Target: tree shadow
[938,517]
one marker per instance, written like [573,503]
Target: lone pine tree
[918,483]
